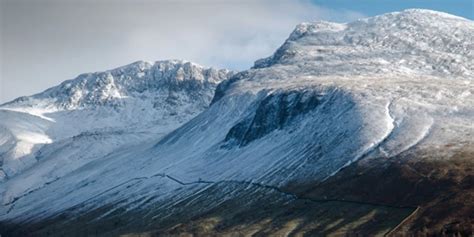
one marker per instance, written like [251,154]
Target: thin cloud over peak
[46,42]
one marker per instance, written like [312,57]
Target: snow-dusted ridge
[137,100]
[113,86]
[411,42]
[331,95]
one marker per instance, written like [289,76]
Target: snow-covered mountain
[87,117]
[337,103]
[415,42]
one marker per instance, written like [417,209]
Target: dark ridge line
[295,196]
[176,180]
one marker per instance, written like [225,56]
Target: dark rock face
[281,54]
[273,112]
[226,84]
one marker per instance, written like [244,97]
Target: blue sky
[44,42]
[464,8]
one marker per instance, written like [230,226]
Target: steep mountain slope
[90,116]
[311,129]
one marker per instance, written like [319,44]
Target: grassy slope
[441,186]
[246,211]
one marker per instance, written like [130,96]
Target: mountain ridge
[166,93]
[405,43]
[121,82]
[323,111]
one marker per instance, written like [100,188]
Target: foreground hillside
[364,128]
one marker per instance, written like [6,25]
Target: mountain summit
[412,42]
[362,128]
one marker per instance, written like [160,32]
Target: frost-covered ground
[331,95]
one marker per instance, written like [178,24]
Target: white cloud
[230,34]
[48,41]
